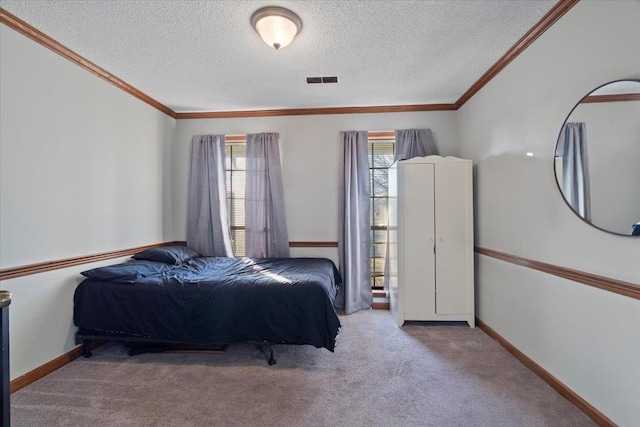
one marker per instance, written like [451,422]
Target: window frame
[373,137]
[230,142]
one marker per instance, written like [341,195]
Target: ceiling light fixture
[276,25]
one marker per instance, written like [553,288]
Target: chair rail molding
[605,283]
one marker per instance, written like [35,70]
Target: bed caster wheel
[271,360]
[86,349]
[267,352]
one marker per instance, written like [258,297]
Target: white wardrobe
[431,274]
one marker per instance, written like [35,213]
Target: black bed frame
[141,344]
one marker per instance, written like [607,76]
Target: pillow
[127,272]
[168,254]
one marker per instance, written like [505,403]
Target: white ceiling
[205,56]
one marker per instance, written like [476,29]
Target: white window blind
[235,168]
[381,153]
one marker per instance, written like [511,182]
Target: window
[381,152]
[235,169]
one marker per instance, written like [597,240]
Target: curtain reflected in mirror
[574,175]
[597,157]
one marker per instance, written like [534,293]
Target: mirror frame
[555,147]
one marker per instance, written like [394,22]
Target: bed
[209,301]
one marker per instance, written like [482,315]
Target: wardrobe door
[418,263]
[452,189]
[394,299]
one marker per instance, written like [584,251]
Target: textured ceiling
[205,56]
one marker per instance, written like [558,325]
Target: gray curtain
[266,229]
[412,143]
[572,146]
[207,220]
[354,223]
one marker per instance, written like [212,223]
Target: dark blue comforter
[219,301]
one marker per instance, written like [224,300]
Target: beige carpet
[380,375]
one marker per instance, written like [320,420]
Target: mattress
[212,300]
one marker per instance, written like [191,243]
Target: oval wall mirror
[597,158]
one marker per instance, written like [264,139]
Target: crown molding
[562,7]
[315,111]
[556,12]
[38,36]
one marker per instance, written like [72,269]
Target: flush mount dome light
[276,25]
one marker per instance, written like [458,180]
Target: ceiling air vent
[316,80]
